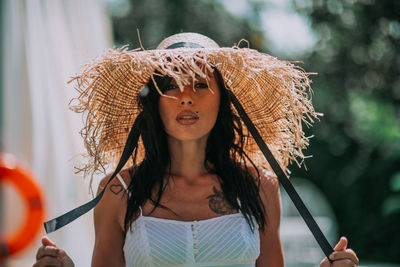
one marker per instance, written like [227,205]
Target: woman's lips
[187,117]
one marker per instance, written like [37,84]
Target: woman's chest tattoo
[218,203]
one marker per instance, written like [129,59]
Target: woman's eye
[171,87]
[201,85]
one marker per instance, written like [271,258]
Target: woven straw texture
[275,94]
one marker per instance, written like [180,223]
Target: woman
[195,197]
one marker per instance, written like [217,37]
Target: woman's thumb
[342,244]
[47,242]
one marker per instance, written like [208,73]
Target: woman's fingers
[342,256]
[47,251]
[325,263]
[47,242]
[341,245]
[346,254]
[48,262]
[49,255]
[344,263]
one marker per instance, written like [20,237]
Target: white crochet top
[222,241]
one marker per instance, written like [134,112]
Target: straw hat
[275,94]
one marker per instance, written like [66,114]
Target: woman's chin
[189,136]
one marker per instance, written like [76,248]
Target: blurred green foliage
[356,148]
[357,143]
[158,19]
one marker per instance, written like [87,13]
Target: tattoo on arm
[116,188]
[218,203]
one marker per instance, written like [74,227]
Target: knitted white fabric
[222,241]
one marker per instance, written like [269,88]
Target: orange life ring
[33,200]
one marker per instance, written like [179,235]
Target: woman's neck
[187,158]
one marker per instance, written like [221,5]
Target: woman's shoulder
[114,200]
[267,181]
[112,206]
[116,186]
[109,216]
[270,195]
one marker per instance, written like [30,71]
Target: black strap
[131,143]
[283,179]
[184,44]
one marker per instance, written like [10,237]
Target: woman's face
[190,115]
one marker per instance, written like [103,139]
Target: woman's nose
[187,96]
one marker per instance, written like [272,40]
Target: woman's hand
[342,256]
[49,255]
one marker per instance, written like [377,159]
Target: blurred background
[350,182]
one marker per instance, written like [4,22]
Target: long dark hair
[224,152]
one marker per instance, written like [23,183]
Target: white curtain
[45,43]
